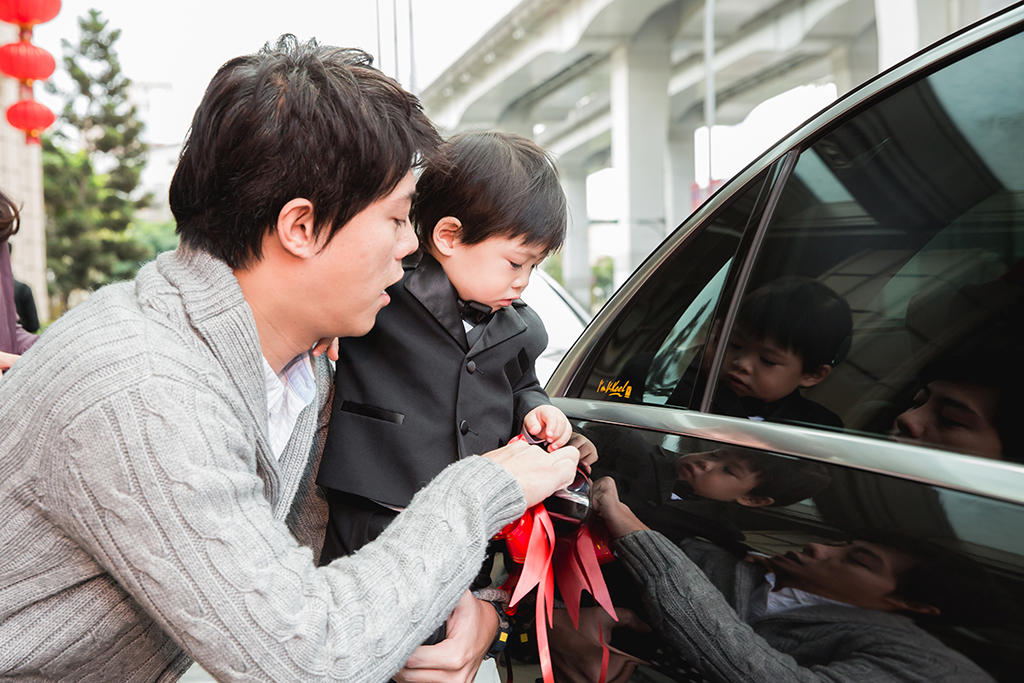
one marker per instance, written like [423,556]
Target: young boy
[448,369]
[789,334]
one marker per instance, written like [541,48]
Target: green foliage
[553,266]
[602,281]
[92,165]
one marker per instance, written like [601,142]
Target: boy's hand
[604,500]
[587,449]
[549,424]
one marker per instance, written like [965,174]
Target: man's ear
[446,235]
[295,228]
[755,501]
[809,379]
[903,605]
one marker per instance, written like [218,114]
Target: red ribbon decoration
[575,563]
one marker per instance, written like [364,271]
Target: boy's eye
[769,363]
[515,266]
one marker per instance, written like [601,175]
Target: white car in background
[564,318]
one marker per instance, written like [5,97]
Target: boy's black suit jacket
[410,397]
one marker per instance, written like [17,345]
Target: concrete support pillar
[855,62]
[639,112]
[679,176]
[576,250]
[898,30]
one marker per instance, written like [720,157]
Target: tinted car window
[912,212]
[664,329]
[958,579]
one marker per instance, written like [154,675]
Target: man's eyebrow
[949,402]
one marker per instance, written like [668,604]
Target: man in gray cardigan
[159,442]
[827,613]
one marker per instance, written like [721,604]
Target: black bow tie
[474,312]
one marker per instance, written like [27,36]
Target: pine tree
[92,165]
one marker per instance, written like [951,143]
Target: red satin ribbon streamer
[574,561]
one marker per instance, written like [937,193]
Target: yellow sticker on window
[617,388]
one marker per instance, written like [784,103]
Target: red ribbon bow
[574,561]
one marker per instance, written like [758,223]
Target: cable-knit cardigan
[711,608]
[145,523]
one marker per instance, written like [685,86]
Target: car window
[651,352]
[910,214]
[961,579]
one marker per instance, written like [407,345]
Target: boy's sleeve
[527,393]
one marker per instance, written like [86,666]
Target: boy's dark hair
[800,314]
[9,217]
[293,120]
[786,480]
[495,184]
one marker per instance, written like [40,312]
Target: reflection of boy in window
[789,334]
[688,494]
[826,612]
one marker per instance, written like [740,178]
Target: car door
[906,201]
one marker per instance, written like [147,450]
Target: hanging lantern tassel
[31,117]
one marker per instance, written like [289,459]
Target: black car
[904,200]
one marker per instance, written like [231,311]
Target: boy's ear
[295,228]
[755,501]
[446,235]
[809,379]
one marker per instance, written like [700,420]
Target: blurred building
[622,84]
[21,177]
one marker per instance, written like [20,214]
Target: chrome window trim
[979,476]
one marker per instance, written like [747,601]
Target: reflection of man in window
[969,402]
[827,612]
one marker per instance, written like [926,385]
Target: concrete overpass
[621,83]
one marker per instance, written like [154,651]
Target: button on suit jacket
[411,396]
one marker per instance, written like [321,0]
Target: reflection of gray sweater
[719,627]
[144,520]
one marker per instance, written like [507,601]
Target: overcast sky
[172,49]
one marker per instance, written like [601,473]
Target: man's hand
[539,474]
[549,424]
[7,359]
[470,632]
[604,500]
[587,449]
[328,344]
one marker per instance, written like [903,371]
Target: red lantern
[31,117]
[26,62]
[28,12]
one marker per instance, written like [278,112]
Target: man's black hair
[786,480]
[293,120]
[800,314]
[495,184]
